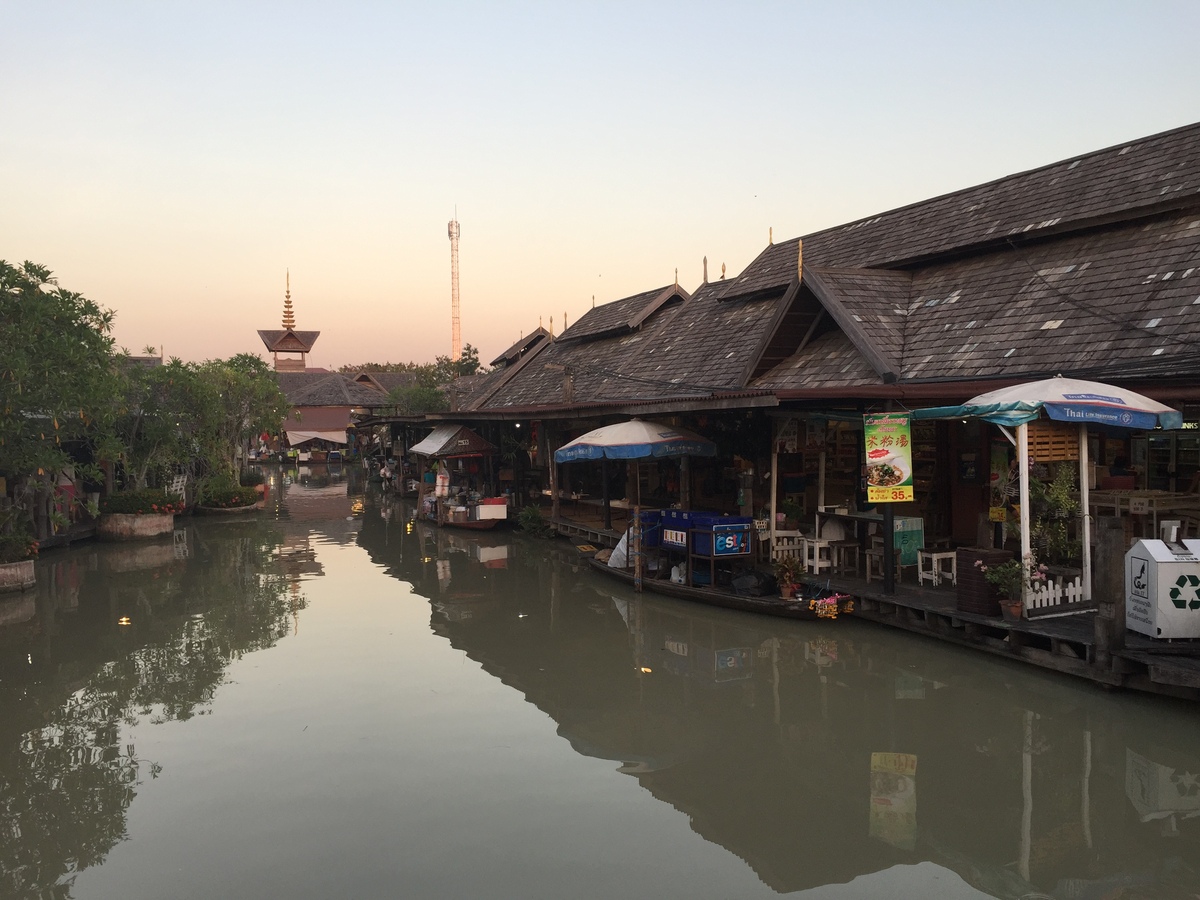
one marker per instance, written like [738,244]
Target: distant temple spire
[289,318]
[289,346]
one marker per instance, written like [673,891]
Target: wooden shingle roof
[327,389]
[289,341]
[1139,178]
[693,348]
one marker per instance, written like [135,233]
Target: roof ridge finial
[799,260]
[289,318]
[770,236]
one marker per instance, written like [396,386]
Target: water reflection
[821,752]
[818,753]
[117,634]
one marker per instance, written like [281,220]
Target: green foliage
[56,372]
[141,502]
[251,478]
[1053,508]
[788,569]
[195,415]
[229,497]
[429,375]
[531,520]
[17,544]
[418,399]
[1011,576]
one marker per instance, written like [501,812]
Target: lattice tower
[455,325]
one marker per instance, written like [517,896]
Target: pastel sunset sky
[172,160]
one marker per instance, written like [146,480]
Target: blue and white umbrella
[1066,400]
[635,439]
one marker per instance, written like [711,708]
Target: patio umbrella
[1065,400]
[635,439]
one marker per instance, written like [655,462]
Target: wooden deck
[1065,644]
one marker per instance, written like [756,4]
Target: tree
[243,401]
[155,414]
[56,379]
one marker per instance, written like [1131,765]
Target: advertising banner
[888,438]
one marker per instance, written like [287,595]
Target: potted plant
[137,514]
[1010,578]
[17,552]
[787,573]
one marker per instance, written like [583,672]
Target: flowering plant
[144,502]
[1011,576]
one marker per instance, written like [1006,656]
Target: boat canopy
[453,441]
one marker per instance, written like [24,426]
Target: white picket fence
[1056,593]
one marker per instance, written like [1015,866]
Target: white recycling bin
[1162,589]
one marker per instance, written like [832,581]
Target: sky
[173,161]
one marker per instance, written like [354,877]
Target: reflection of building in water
[794,746]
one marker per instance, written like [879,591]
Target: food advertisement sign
[888,438]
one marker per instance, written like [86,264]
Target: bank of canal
[331,701]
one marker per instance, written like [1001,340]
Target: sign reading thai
[888,438]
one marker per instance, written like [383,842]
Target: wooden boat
[814,601]
[480,515]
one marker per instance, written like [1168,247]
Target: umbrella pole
[1023,465]
[637,530]
[604,493]
[1085,511]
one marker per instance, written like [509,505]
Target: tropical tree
[56,382]
[156,412]
[241,400]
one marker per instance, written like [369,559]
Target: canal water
[326,699]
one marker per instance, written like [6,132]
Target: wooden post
[1026,548]
[1109,589]
[774,485]
[605,495]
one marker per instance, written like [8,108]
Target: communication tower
[455,327]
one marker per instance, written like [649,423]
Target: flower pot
[974,593]
[787,591]
[1012,610]
[17,576]
[134,526]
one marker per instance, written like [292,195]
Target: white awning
[300,437]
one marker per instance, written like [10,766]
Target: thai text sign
[888,439]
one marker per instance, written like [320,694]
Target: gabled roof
[386,381]
[289,341]
[622,316]
[327,389]
[1136,179]
[871,306]
[488,384]
[693,349]
[521,347]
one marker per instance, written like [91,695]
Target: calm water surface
[327,701]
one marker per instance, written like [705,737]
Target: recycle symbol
[1177,596]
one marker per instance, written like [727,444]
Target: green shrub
[531,519]
[230,497]
[17,545]
[141,502]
